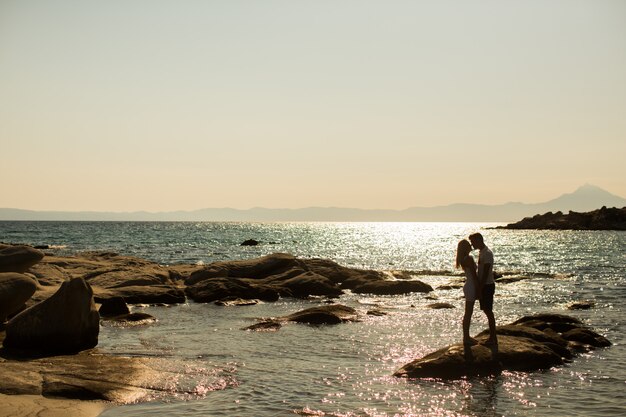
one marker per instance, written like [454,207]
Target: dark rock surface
[601,219]
[250,242]
[67,322]
[18,258]
[114,306]
[522,346]
[15,290]
[392,287]
[216,289]
[328,314]
[84,376]
[439,306]
[286,274]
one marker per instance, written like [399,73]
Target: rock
[84,376]
[115,306]
[581,305]
[307,284]
[520,348]
[137,280]
[265,326]
[229,288]
[376,313]
[131,319]
[602,219]
[328,314]
[143,294]
[67,322]
[587,337]
[282,266]
[548,318]
[250,242]
[237,302]
[511,279]
[251,268]
[18,258]
[392,287]
[456,361]
[15,290]
[438,306]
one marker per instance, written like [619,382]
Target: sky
[179,105]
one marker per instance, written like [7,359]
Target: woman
[466,261]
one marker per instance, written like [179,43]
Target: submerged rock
[67,322]
[328,314]
[250,242]
[392,287]
[439,306]
[520,348]
[15,290]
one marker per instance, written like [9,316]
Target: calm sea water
[216,369]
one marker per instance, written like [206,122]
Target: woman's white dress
[469,289]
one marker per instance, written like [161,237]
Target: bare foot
[491,342]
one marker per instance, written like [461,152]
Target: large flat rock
[520,348]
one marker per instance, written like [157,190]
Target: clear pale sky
[165,105]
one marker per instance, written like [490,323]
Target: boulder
[236,302]
[18,258]
[251,268]
[143,294]
[249,242]
[306,284]
[520,348]
[115,306]
[15,290]
[264,326]
[392,287]
[587,337]
[67,322]
[581,305]
[439,306]
[229,288]
[131,319]
[328,314]
[281,266]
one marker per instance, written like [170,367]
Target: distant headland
[602,219]
[586,198]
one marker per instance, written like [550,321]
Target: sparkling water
[213,368]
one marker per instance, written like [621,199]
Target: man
[486,284]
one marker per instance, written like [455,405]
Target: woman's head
[462,250]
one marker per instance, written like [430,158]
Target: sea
[214,368]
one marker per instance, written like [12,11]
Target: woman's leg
[467,319]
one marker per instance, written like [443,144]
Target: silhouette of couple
[479,285]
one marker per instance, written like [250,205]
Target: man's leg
[492,327]
[486,304]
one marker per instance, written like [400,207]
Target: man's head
[477,240]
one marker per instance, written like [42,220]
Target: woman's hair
[462,250]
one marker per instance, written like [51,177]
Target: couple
[479,285]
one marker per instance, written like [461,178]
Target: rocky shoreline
[51,304]
[601,219]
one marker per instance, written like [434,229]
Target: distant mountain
[585,198]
